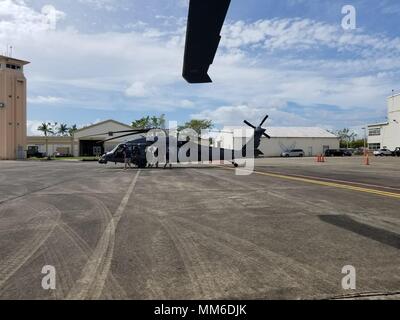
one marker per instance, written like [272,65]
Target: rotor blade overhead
[111,133]
[127,131]
[265,119]
[205,21]
[123,136]
[249,124]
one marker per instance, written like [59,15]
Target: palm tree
[63,129]
[47,129]
[72,130]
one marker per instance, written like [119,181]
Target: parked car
[293,153]
[396,152]
[347,152]
[33,152]
[383,152]
[334,153]
[359,152]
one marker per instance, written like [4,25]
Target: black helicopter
[156,146]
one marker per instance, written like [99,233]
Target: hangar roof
[294,132]
[99,131]
[102,123]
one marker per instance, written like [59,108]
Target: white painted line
[94,274]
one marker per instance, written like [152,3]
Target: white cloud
[45,100]
[137,89]
[185,103]
[33,125]
[18,20]
[304,34]
[236,114]
[109,5]
[264,63]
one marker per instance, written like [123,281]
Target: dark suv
[334,153]
[347,152]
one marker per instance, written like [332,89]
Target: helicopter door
[119,154]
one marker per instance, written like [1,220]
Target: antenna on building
[11,51]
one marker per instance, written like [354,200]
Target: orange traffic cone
[366,161]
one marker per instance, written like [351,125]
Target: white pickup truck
[383,152]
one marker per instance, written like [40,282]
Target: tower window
[13,66]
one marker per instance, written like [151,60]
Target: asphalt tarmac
[200,232]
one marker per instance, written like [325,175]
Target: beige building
[387,134]
[12,109]
[55,145]
[88,141]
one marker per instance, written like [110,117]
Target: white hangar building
[312,140]
[386,135]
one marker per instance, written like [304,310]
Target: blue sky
[122,59]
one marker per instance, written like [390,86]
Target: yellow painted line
[326,184]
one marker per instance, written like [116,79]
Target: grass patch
[65,159]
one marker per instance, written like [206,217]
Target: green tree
[158,122]
[357,144]
[143,123]
[346,137]
[63,129]
[54,129]
[47,129]
[197,125]
[72,130]
[150,122]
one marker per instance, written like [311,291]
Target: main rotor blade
[205,21]
[123,136]
[216,131]
[133,130]
[249,124]
[111,133]
[265,119]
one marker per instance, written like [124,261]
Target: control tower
[12,108]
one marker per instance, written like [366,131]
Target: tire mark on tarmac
[229,180]
[34,191]
[239,246]
[85,249]
[204,286]
[54,258]
[242,260]
[44,229]
[94,274]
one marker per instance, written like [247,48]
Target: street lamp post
[365,140]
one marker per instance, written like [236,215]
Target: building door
[97,151]
[310,151]
[89,147]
